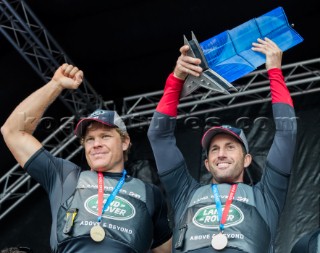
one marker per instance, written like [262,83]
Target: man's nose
[97,142]
[222,152]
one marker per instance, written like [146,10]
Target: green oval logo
[119,208]
[207,217]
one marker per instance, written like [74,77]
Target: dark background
[128,48]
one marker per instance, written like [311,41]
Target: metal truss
[16,184]
[301,78]
[28,36]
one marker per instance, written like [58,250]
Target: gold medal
[97,233]
[219,241]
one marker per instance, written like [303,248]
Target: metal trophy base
[208,79]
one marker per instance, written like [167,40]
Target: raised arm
[282,150]
[18,129]
[161,130]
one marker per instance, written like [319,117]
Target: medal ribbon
[223,216]
[112,196]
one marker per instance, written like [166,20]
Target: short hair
[123,135]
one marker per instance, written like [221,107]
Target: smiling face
[226,159]
[104,148]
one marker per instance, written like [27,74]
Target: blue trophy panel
[229,53]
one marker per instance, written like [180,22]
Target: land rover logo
[119,208]
[207,217]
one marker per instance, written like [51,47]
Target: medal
[219,241]
[97,233]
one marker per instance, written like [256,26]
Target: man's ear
[206,163]
[126,143]
[247,160]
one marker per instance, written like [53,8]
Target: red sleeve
[170,99]
[279,90]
